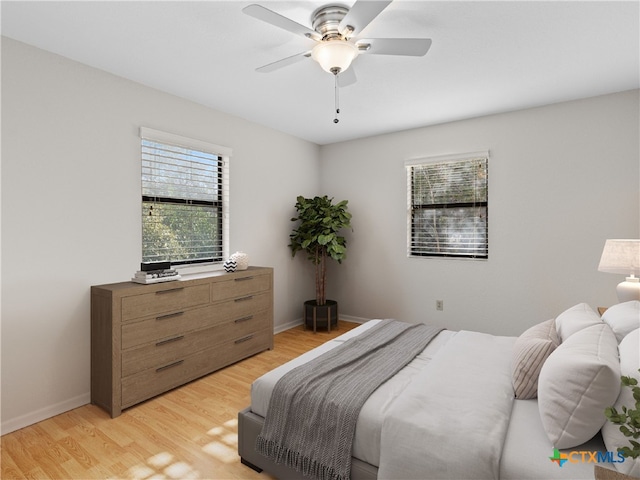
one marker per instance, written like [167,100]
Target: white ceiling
[486,57]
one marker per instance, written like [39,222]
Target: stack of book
[155,273]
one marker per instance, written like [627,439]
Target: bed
[452,411]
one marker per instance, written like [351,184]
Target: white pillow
[577,382]
[530,351]
[613,438]
[575,319]
[623,318]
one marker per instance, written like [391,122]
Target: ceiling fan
[335,29]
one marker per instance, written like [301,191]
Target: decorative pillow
[623,318]
[529,354]
[575,319]
[577,382]
[629,364]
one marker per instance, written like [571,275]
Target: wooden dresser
[147,339]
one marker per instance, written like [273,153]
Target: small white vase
[241,259]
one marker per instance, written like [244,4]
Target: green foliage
[175,232]
[317,234]
[449,208]
[628,419]
[320,222]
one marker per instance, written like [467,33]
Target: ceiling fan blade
[415,47]
[270,67]
[361,14]
[273,18]
[348,77]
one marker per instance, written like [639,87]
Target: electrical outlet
[439,305]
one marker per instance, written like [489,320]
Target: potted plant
[318,236]
[628,419]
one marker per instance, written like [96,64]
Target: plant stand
[602,473]
[320,315]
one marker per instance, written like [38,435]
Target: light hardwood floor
[189,432]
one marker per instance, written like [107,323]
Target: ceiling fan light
[334,56]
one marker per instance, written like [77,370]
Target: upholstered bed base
[249,427]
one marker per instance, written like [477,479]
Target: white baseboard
[351,318]
[22,421]
[281,328]
[298,321]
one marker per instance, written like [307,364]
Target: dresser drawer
[240,286]
[154,381]
[152,329]
[179,346]
[172,299]
[243,346]
[144,343]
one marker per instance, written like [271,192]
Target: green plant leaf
[317,233]
[628,418]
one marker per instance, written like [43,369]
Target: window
[447,206]
[184,199]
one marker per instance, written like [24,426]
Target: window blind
[184,200]
[448,207]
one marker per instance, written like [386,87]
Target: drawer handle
[160,292]
[242,299]
[242,279]
[243,319]
[170,315]
[243,339]
[169,340]
[171,365]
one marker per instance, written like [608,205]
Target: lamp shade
[621,256]
[334,56]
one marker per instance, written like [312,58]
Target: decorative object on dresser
[147,339]
[241,259]
[623,256]
[155,273]
[230,266]
[317,235]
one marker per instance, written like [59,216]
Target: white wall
[71,212]
[562,179]
[71,216]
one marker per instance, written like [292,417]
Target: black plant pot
[320,316]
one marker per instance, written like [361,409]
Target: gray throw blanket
[314,408]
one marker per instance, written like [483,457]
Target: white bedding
[451,421]
[526,451]
[522,454]
[366,444]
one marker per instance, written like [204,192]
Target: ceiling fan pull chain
[337,97]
